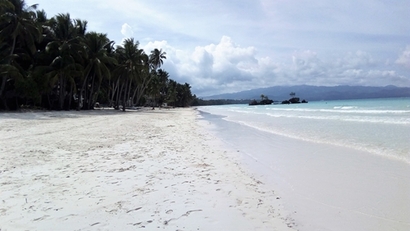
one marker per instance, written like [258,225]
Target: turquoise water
[337,165]
[377,126]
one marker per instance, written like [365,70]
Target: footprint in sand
[169,211]
[41,218]
[238,202]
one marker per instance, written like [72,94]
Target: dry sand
[109,170]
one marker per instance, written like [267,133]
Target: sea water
[338,165]
[379,126]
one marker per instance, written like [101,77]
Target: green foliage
[28,88]
[201,102]
[57,64]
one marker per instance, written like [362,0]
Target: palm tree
[40,68]
[5,63]
[180,94]
[154,89]
[156,58]
[96,66]
[18,28]
[50,62]
[157,87]
[148,73]
[141,81]
[163,80]
[68,50]
[172,92]
[186,95]
[17,23]
[130,59]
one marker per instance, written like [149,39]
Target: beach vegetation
[264,101]
[202,102]
[57,64]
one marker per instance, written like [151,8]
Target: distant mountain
[316,93]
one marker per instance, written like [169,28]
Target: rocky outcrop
[262,102]
[293,100]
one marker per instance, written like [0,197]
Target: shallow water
[341,165]
[379,126]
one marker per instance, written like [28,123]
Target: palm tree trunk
[5,103]
[133,96]
[13,46]
[90,99]
[97,92]
[71,96]
[109,91]
[119,92]
[124,101]
[115,91]
[62,91]
[4,78]
[141,91]
[129,93]
[81,92]
[79,96]
[49,101]
[3,86]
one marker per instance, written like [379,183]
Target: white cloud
[228,67]
[404,58]
[267,42]
[126,31]
[356,60]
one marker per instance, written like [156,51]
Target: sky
[225,46]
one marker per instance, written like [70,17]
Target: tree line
[55,63]
[201,102]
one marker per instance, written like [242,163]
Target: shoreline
[327,186]
[145,169]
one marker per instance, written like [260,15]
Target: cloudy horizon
[226,46]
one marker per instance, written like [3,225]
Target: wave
[398,121]
[342,110]
[401,117]
[375,150]
[344,107]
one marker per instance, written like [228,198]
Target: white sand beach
[110,170]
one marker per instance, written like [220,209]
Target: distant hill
[316,93]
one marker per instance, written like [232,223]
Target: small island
[264,101]
[293,99]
